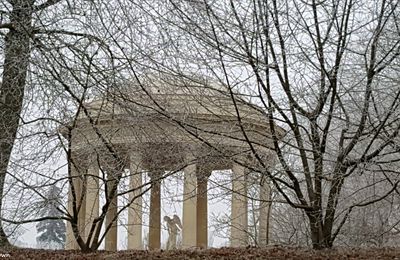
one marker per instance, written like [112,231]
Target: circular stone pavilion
[163,126]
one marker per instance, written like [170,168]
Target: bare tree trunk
[318,237]
[17,50]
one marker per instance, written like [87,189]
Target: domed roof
[180,97]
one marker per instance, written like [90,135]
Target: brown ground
[221,253]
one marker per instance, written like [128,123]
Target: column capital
[203,173]
[156,175]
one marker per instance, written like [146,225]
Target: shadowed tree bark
[318,69]
[16,60]
[17,52]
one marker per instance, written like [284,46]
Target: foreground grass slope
[221,253]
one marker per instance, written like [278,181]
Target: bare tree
[16,55]
[324,70]
[32,106]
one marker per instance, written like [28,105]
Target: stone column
[135,210]
[202,208]
[155,211]
[239,236]
[189,232]
[265,209]
[112,212]
[91,198]
[77,183]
